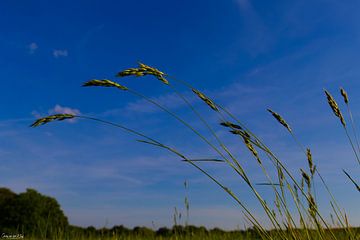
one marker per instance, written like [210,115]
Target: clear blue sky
[247,55]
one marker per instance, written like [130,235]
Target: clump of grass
[294,204]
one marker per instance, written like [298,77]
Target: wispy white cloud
[60,53]
[66,110]
[58,109]
[32,47]
[36,114]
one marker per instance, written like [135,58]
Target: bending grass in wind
[346,101]
[239,170]
[283,223]
[309,180]
[337,112]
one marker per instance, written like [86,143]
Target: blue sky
[247,55]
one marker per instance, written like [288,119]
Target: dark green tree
[8,219]
[31,213]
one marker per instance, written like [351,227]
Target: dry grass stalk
[104,83]
[51,118]
[345,96]
[207,100]
[334,106]
[280,120]
[143,70]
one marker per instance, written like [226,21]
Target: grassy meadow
[175,233]
[290,195]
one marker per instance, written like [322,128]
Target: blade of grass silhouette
[204,160]
[346,100]
[277,161]
[261,201]
[352,180]
[213,106]
[290,231]
[267,184]
[334,106]
[158,144]
[353,126]
[240,171]
[212,178]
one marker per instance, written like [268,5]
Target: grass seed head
[334,106]
[309,157]
[251,149]
[51,118]
[104,83]
[310,161]
[131,72]
[302,184]
[231,125]
[143,70]
[280,119]
[312,206]
[207,100]
[246,138]
[306,177]
[345,96]
[241,133]
[150,69]
[280,173]
[153,71]
[313,170]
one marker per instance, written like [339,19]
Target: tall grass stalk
[311,222]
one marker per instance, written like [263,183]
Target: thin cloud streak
[57,53]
